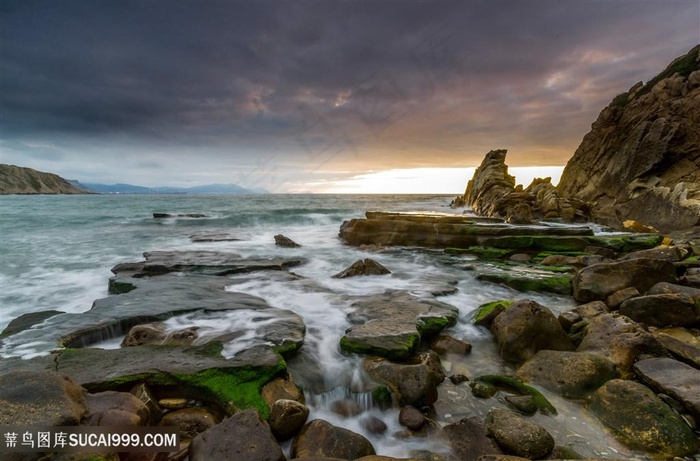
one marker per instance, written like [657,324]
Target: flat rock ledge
[392,324]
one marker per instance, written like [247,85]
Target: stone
[175,403]
[639,419]
[373,425]
[571,374]
[191,421]
[517,435]
[321,439]
[525,328]
[144,394]
[671,254]
[413,382]
[392,324]
[346,408]
[520,257]
[148,333]
[523,403]
[205,237]
[41,399]
[599,281]
[620,340]
[282,388]
[285,242]
[670,288]
[412,418]
[486,313]
[469,439]
[102,402]
[631,225]
[673,378]
[681,343]
[616,299]
[444,344]
[287,417]
[27,321]
[242,437]
[662,310]
[649,172]
[363,267]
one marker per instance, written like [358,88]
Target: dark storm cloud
[309,80]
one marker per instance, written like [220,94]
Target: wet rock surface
[363,267]
[321,439]
[518,436]
[670,377]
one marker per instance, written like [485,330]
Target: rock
[639,161]
[178,215]
[444,344]
[41,399]
[571,374]
[641,420]
[391,324]
[287,417]
[160,298]
[599,281]
[522,403]
[148,333]
[673,378]
[373,425]
[520,257]
[620,340]
[584,312]
[414,382]
[458,378]
[616,299]
[525,328]
[662,310]
[285,242]
[321,439]
[175,403]
[200,372]
[518,436]
[440,230]
[205,237]
[27,321]
[669,288]
[191,421]
[469,439]
[20,180]
[143,393]
[346,408]
[242,437]
[412,418]
[671,254]
[631,225]
[487,312]
[363,267]
[135,412]
[681,343]
[508,383]
[282,388]
[528,280]
[562,260]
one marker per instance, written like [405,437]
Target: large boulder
[117,409]
[571,374]
[41,399]
[365,266]
[517,435]
[681,343]
[620,340]
[662,310]
[287,417]
[525,328]
[413,382]
[191,421]
[320,439]
[673,378]
[599,281]
[242,437]
[640,160]
[638,418]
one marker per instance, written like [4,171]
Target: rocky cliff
[18,180]
[641,159]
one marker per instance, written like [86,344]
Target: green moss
[485,310]
[514,384]
[556,269]
[481,252]
[627,243]
[683,65]
[539,242]
[430,326]
[620,100]
[553,284]
[382,397]
[400,349]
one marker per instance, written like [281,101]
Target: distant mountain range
[19,180]
[132,189]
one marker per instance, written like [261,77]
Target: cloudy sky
[317,95]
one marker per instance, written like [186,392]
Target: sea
[56,252]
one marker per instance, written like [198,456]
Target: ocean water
[56,252]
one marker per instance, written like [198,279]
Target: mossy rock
[539,243]
[513,384]
[628,243]
[639,419]
[545,284]
[394,346]
[487,312]
[199,372]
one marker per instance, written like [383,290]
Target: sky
[318,96]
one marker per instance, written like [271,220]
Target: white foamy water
[56,252]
